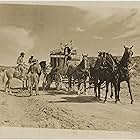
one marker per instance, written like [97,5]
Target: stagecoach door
[53,62]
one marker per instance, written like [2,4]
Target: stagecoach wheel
[46,82]
[66,85]
[43,86]
[58,81]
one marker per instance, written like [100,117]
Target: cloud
[79,29]
[131,33]
[13,40]
[16,39]
[97,37]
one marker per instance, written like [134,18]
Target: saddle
[18,73]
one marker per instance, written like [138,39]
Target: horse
[51,74]
[14,73]
[120,73]
[48,75]
[43,66]
[93,70]
[123,70]
[103,71]
[79,73]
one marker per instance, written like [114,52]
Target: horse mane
[124,62]
[81,64]
[98,62]
[112,59]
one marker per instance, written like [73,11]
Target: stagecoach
[59,58]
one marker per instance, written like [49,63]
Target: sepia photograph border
[45,133]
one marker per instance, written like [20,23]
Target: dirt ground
[59,109]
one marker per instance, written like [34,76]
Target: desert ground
[63,110]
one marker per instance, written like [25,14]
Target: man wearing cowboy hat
[31,59]
[67,52]
[20,63]
[35,70]
[33,66]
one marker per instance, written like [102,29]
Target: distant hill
[135,60]
[92,60]
[2,68]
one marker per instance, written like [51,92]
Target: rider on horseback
[20,63]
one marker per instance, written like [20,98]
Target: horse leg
[107,84]
[116,91]
[69,82]
[26,84]
[128,82]
[111,90]
[31,90]
[23,85]
[119,91]
[6,85]
[85,86]
[36,86]
[31,85]
[9,85]
[99,85]
[79,87]
[90,86]
[95,90]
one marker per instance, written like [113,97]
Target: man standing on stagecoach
[20,62]
[67,51]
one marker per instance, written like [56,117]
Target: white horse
[14,73]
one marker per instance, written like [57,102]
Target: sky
[38,29]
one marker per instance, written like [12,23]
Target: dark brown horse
[79,73]
[103,71]
[118,73]
[123,70]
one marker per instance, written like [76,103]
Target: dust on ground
[60,109]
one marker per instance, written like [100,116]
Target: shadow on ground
[78,99]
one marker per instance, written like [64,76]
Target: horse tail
[4,76]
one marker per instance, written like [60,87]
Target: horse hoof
[98,99]
[79,93]
[84,93]
[132,102]
[104,101]
[116,101]
[111,96]
[119,100]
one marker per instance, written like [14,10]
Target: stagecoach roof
[61,52]
[56,52]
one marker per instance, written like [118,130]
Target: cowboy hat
[22,53]
[66,44]
[34,61]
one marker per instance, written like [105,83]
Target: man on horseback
[20,63]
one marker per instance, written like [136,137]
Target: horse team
[107,69]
